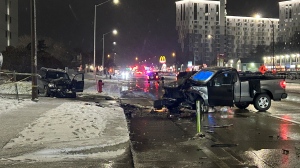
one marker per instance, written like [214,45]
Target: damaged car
[57,83]
[223,86]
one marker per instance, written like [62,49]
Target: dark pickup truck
[223,86]
[57,83]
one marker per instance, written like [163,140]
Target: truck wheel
[45,93]
[262,102]
[241,105]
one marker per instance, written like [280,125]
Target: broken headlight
[51,85]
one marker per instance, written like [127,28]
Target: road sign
[262,69]
[162,59]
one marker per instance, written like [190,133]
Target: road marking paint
[285,119]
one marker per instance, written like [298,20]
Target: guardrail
[8,77]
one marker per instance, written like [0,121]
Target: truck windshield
[202,75]
[56,75]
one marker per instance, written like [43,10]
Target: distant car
[154,76]
[56,82]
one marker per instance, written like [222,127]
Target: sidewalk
[60,130]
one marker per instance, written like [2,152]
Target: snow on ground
[8,104]
[12,88]
[71,127]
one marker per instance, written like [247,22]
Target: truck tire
[45,93]
[262,102]
[241,105]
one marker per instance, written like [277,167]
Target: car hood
[61,81]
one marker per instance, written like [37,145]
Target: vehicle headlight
[51,85]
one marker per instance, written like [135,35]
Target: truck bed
[260,77]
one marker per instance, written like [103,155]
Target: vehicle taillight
[283,84]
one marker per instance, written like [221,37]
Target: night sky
[146,28]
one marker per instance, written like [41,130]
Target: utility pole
[34,93]
[273,36]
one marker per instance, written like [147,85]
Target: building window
[195,11]
[181,11]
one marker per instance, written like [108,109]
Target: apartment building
[244,34]
[201,30]
[205,31]
[8,23]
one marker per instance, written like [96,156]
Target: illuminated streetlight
[273,39]
[136,58]
[257,16]
[114,32]
[108,55]
[173,54]
[116,2]
[95,18]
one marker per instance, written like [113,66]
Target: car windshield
[202,75]
[56,75]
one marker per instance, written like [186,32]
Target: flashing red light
[283,84]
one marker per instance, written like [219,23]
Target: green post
[198,116]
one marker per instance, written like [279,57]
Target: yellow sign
[162,59]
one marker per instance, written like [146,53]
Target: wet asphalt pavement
[232,138]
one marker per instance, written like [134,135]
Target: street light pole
[114,32]
[95,20]
[103,54]
[95,40]
[34,93]
[273,36]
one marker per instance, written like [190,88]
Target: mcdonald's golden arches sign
[162,59]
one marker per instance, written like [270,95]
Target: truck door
[220,90]
[78,82]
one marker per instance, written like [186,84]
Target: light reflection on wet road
[140,86]
[263,139]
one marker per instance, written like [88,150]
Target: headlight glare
[51,85]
